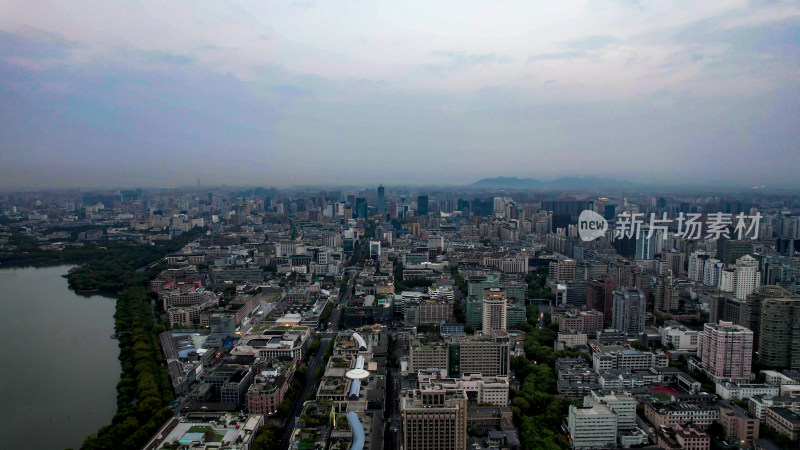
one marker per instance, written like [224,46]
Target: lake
[59,366]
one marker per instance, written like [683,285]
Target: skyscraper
[361,208]
[381,199]
[422,205]
[495,310]
[630,309]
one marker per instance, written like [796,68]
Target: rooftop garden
[209,435]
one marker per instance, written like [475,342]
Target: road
[317,361]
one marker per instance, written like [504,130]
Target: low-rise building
[208,430]
[269,387]
[592,427]
[672,414]
[738,424]
[628,359]
[734,391]
[784,421]
[683,437]
[759,404]
[479,389]
[678,336]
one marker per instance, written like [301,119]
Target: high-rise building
[434,419]
[422,205]
[725,308]
[495,305]
[666,295]
[748,278]
[600,297]
[381,204]
[726,351]
[630,311]
[779,344]
[610,212]
[673,261]
[487,355]
[753,312]
[697,263]
[647,245]
[572,294]
[361,208]
[733,250]
[570,208]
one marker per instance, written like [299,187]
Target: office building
[628,359]
[434,419]
[588,322]
[488,355]
[600,297]
[361,208]
[784,421]
[680,413]
[733,250]
[624,406]
[725,308]
[381,203]
[572,294]
[678,336]
[592,427]
[422,205]
[478,388]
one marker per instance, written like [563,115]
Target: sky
[153,93]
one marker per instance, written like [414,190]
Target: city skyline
[98,94]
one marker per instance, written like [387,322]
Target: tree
[267,437]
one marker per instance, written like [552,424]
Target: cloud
[167,58]
[34,44]
[556,56]
[578,48]
[459,60]
[114,93]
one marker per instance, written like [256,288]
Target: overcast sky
[154,93]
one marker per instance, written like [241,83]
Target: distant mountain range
[559,183]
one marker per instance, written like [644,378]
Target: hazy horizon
[146,94]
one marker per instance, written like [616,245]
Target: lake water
[58,366]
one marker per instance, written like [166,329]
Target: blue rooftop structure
[358,431]
[355,386]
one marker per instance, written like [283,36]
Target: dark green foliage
[267,437]
[537,410]
[112,268]
[144,387]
